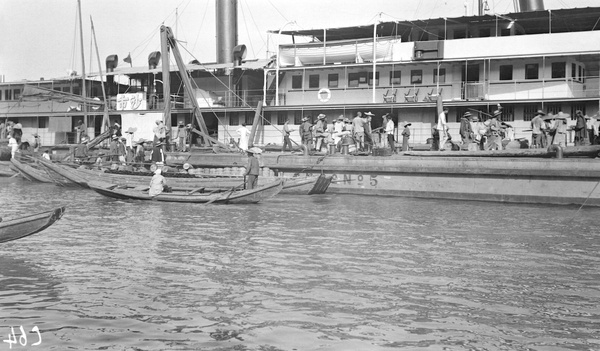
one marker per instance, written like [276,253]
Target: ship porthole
[324,95]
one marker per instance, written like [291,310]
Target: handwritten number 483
[22,340]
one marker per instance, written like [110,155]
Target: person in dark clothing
[580,130]
[81,152]
[466,131]
[252,169]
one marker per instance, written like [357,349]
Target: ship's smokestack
[531,5]
[226,29]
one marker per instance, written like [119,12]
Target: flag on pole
[128,59]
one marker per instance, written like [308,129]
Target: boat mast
[168,41]
[83,92]
[166,79]
[105,118]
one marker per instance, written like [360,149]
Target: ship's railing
[459,91]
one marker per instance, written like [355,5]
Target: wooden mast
[83,92]
[166,80]
[168,40]
[105,118]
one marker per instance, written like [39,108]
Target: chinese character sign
[134,101]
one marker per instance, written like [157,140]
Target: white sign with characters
[132,101]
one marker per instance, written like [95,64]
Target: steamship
[527,60]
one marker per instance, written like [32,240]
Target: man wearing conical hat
[536,129]
[465,130]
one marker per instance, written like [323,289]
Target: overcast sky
[40,37]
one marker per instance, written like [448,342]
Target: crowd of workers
[356,133]
[488,133]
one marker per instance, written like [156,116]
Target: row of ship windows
[505,72]
[15,93]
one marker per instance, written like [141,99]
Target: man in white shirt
[442,128]
[592,129]
[389,131]
[244,133]
[13,145]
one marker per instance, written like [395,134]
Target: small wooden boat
[232,196]
[30,172]
[35,172]
[82,176]
[17,228]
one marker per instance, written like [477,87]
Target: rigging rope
[245,104]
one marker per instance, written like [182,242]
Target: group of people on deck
[549,129]
[14,133]
[356,132]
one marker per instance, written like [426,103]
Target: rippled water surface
[325,272]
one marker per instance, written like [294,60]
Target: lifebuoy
[324,95]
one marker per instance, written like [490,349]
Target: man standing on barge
[358,127]
[536,129]
[252,169]
[442,128]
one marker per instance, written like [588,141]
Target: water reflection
[306,273]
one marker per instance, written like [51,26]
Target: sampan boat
[231,196]
[30,224]
[82,176]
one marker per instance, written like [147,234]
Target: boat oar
[195,190]
[228,195]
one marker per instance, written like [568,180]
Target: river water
[324,272]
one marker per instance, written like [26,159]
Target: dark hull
[27,225]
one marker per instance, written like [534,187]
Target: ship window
[581,74]
[313,81]
[376,78]
[17,94]
[66,89]
[333,80]
[416,76]
[506,72]
[76,91]
[575,107]
[8,94]
[297,117]
[281,117]
[529,112]
[234,119]
[508,114]
[353,79]
[1,94]
[554,108]
[249,118]
[296,82]
[484,32]
[460,34]
[574,71]
[532,71]
[395,77]
[559,69]
[362,77]
[441,74]
[42,122]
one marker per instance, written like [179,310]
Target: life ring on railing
[324,95]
